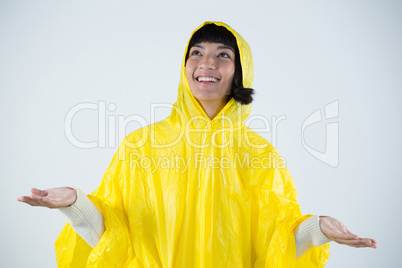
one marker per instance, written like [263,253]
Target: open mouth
[207,79]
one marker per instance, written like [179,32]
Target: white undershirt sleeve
[85,218]
[308,234]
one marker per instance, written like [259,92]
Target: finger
[29,201]
[39,192]
[371,242]
[355,243]
[36,197]
[39,199]
[352,243]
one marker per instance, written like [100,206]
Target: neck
[212,108]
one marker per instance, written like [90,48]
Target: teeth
[207,79]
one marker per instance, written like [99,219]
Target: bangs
[212,33]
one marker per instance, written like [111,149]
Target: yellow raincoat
[193,192]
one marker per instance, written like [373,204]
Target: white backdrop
[55,55]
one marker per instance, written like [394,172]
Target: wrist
[321,219]
[74,195]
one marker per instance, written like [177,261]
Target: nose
[208,62]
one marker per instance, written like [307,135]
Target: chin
[206,98]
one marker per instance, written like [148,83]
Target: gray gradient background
[56,54]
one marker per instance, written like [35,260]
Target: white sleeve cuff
[85,218]
[308,234]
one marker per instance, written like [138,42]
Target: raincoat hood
[187,106]
[193,192]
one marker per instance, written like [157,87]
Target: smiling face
[210,70]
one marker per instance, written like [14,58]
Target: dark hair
[218,34]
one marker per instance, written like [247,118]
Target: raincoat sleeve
[279,216]
[115,247]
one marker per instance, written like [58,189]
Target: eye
[196,53]
[224,55]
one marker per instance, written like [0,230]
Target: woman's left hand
[336,231]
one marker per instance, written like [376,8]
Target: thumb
[39,192]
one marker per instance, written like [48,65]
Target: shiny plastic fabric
[193,192]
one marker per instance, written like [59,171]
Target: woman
[198,189]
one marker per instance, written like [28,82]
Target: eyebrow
[226,47]
[219,47]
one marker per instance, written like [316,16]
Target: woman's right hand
[50,198]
